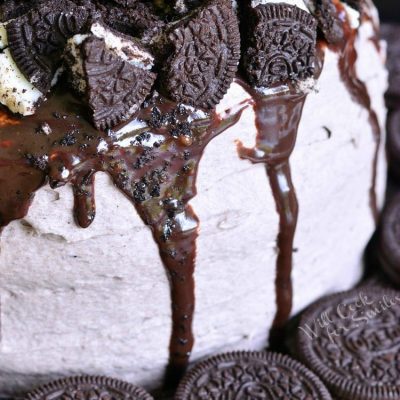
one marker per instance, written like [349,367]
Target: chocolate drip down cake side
[223,157]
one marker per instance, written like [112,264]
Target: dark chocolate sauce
[277,119]
[358,90]
[155,164]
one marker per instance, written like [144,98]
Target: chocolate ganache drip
[282,54]
[347,51]
[155,164]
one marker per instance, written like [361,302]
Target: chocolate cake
[236,146]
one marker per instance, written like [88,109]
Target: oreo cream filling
[16,92]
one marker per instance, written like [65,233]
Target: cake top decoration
[196,51]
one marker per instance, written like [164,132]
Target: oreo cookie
[389,239]
[205,52]
[351,341]
[328,21]
[37,39]
[251,375]
[114,80]
[281,45]
[88,387]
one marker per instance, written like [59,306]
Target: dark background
[389,9]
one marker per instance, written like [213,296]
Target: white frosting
[353,16]
[3,36]
[16,92]
[79,81]
[97,300]
[126,49]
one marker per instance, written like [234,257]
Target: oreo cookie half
[389,239]
[37,39]
[281,45]
[251,375]
[112,71]
[88,387]
[351,341]
[205,55]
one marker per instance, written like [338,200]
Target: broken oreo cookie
[112,71]
[351,341]
[251,375]
[281,45]
[205,55]
[88,387]
[37,39]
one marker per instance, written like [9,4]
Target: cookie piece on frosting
[37,39]
[205,52]
[281,45]
[112,71]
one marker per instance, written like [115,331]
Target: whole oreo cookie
[281,45]
[389,239]
[37,39]
[115,88]
[205,55]
[88,387]
[251,375]
[351,341]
